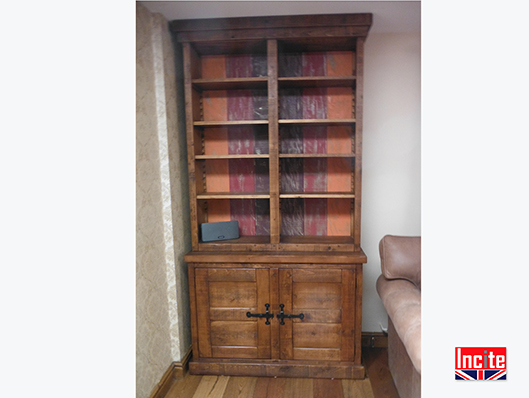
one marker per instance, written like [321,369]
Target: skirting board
[374,340]
[176,371]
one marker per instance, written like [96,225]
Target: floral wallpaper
[162,206]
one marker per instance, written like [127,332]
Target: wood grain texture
[266,259]
[316,275]
[358,388]
[202,312]
[240,387]
[304,369]
[263,298]
[325,388]
[348,331]
[293,22]
[298,388]
[232,334]
[275,298]
[269,387]
[232,275]
[358,312]
[232,294]
[211,387]
[311,335]
[285,331]
[382,385]
[184,388]
[317,295]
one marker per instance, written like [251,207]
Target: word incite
[481,363]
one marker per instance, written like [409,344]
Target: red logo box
[481,363]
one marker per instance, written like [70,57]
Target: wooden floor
[378,384]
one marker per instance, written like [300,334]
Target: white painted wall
[391,197]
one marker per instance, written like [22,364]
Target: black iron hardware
[282,315]
[266,315]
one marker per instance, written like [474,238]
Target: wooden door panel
[320,354]
[231,314]
[229,333]
[235,352]
[224,298]
[326,299]
[233,294]
[317,295]
[230,274]
[317,275]
[319,316]
[316,335]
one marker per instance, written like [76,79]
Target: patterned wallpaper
[162,207]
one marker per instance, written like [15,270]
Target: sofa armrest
[400,258]
[402,301]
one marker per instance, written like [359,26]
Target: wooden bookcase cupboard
[273,111]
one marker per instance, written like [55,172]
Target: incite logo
[481,363]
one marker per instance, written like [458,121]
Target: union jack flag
[481,374]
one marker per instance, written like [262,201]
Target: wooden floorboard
[376,363]
[377,384]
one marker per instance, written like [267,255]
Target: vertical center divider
[273,139]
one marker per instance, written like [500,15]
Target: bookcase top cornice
[273,27]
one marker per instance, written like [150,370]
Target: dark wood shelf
[317,122]
[249,156]
[317,81]
[221,123]
[231,83]
[316,195]
[316,155]
[233,195]
[317,240]
[243,240]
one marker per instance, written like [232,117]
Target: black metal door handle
[266,315]
[282,315]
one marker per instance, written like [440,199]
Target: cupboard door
[326,300]
[224,296]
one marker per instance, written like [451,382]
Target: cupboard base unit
[276,314]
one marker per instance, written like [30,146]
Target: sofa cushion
[400,258]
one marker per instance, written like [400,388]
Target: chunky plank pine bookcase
[274,137]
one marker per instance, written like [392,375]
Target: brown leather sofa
[399,287]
